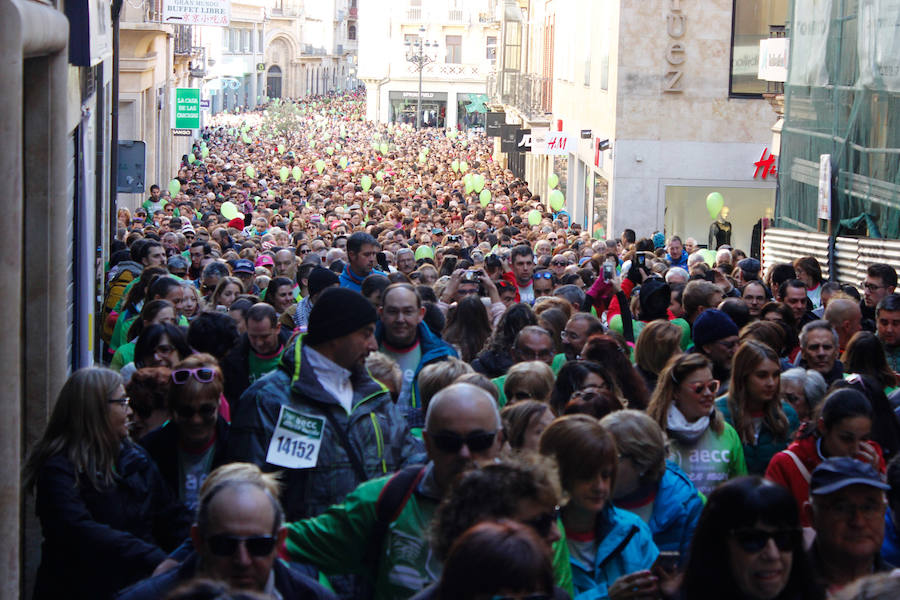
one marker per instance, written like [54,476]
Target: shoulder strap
[800,466]
[625,310]
[391,501]
[341,433]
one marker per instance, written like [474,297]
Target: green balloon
[557,200]
[343,162]
[191,158]
[280,148]
[379,175]
[714,204]
[204,151]
[174,187]
[329,150]
[383,147]
[484,198]
[478,183]
[283,173]
[424,252]
[463,166]
[365,182]
[296,173]
[534,217]
[250,171]
[553,180]
[455,166]
[320,166]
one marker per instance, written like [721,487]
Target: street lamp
[415,54]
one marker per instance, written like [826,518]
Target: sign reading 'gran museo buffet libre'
[676,26]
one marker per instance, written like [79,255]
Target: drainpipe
[114,124]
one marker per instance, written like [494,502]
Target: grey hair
[454,391]
[812,326]
[677,271]
[814,385]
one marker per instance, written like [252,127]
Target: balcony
[414,14]
[184,38]
[450,72]
[455,15]
[528,93]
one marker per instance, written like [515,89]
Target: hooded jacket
[375,430]
[236,366]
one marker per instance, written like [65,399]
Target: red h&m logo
[766,164]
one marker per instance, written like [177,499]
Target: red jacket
[783,470]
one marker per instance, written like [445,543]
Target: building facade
[459,39]
[659,104]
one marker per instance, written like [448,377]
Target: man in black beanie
[320,417]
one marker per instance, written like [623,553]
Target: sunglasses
[698,386]
[227,545]
[543,522]
[543,275]
[451,442]
[557,263]
[753,541]
[201,374]
[206,411]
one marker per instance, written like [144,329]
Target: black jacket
[162,446]
[236,367]
[288,582]
[98,541]
[491,363]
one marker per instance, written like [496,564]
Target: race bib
[296,440]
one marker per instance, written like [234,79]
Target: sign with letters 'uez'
[197,12]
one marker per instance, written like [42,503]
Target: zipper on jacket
[379,439]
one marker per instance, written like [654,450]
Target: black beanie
[338,312]
[321,278]
[654,298]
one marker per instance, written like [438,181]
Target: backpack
[391,501]
[128,271]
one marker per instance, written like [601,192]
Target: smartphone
[641,260]
[669,560]
[609,271]
[471,275]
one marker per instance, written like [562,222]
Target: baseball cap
[243,266]
[836,473]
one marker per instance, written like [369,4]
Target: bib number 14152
[296,441]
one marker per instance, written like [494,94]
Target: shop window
[454,49]
[752,20]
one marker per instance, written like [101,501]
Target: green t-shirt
[615,324]
[260,365]
[712,460]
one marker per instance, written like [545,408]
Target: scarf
[681,430]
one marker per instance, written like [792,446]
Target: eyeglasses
[227,545]
[123,401]
[698,386]
[543,522]
[753,541]
[201,374]
[206,411]
[451,442]
[543,275]
[557,263]
[871,287]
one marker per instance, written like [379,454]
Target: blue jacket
[352,281]
[625,545]
[890,548]
[289,583]
[433,350]
[675,512]
[680,262]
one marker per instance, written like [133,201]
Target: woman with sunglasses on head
[753,405]
[611,550]
[193,442]
[700,441]
[841,428]
[748,545]
[107,517]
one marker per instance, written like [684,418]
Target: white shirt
[333,377]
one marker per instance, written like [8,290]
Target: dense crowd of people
[356,360]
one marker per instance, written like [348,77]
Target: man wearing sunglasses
[462,431]
[846,508]
[236,537]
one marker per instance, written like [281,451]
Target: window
[491,54]
[262,43]
[245,40]
[351,32]
[751,22]
[235,40]
[411,40]
[454,49]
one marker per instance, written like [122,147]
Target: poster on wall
[824,203]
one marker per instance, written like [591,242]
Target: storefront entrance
[687,215]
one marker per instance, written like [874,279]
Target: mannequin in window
[720,230]
[759,230]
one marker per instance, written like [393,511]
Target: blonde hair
[534,376]
[79,428]
[659,341]
[436,376]
[671,377]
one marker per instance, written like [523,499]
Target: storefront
[687,214]
[403,108]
